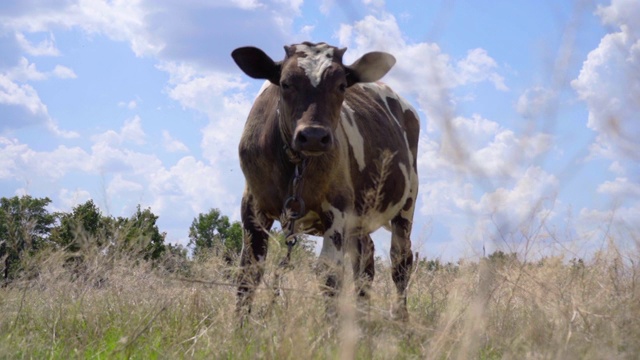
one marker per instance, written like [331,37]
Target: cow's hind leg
[361,253]
[401,262]
[254,252]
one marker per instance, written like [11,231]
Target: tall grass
[115,306]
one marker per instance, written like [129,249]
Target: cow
[358,142]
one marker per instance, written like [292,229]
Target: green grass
[119,308]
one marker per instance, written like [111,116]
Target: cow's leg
[254,252]
[361,252]
[401,262]
[331,259]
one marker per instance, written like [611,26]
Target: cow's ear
[258,65]
[370,67]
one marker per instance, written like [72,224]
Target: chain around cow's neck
[293,207]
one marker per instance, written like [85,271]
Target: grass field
[115,307]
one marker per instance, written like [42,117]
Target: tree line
[28,228]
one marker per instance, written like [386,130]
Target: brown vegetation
[115,306]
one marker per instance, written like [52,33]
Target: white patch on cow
[330,253]
[318,59]
[384,92]
[354,137]
[263,88]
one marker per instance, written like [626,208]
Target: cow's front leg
[401,262]
[254,252]
[331,260]
[361,251]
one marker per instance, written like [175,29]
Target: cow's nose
[313,139]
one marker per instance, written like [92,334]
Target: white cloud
[376,3]
[536,102]
[131,131]
[624,14]
[53,127]
[220,138]
[172,145]
[22,95]
[326,5]
[132,104]
[21,162]
[118,186]
[480,148]
[24,72]
[477,67]
[63,72]
[23,106]
[218,95]
[620,187]
[121,20]
[192,183]
[71,198]
[609,83]
[47,47]
[476,216]
[620,225]
[422,69]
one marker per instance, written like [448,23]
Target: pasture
[116,307]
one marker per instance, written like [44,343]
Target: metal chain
[293,209]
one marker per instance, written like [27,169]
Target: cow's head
[313,82]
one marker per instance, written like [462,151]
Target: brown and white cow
[359,139]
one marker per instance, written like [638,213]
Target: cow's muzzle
[313,140]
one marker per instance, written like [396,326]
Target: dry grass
[116,307]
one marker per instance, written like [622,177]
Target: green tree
[214,232]
[25,225]
[140,233]
[85,222]
[500,258]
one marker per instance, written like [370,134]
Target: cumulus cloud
[623,14]
[477,67]
[63,72]
[619,224]
[21,162]
[609,83]
[220,97]
[46,47]
[71,198]
[120,20]
[172,145]
[190,182]
[132,104]
[20,101]
[422,70]
[131,132]
[620,187]
[479,148]
[536,102]
[21,95]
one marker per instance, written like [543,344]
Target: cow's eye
[284,85]
[343,87]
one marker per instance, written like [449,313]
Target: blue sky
[529,110]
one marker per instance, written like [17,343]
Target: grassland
[115,307]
